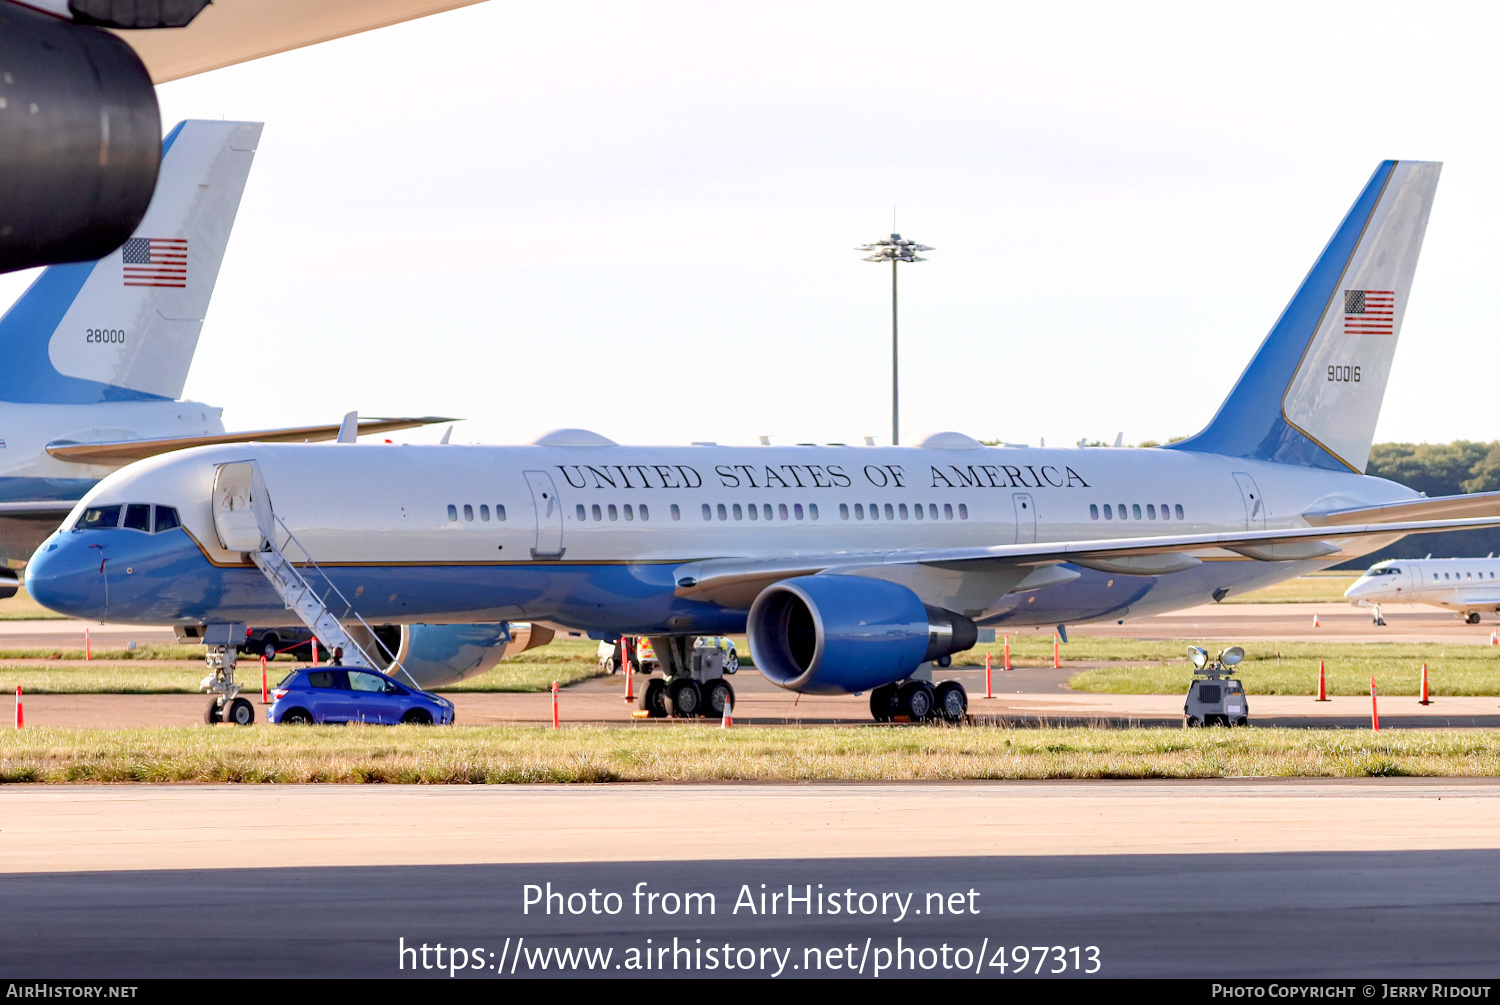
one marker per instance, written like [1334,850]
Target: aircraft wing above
[51,510]
[233,31]
[729,581]
[125,451]
[1436,508]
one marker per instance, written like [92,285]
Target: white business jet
[94,355]
[1465,586]
[852,569]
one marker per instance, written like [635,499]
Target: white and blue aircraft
[850,568]
[94,355]
[1465,586]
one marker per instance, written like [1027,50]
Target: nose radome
[57,577]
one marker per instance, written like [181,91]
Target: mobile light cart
[1214,698]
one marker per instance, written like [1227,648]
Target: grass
[22,608]
[1291,668]
[1316,588]
[116,671]
[414,754]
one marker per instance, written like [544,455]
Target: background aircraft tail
[124,328]
[1312,393]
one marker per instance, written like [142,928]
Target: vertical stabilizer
[124,328]
[1312,393]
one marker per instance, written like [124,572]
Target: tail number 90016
[117,335]
[1348,374]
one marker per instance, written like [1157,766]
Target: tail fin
[124,328]
[1312,393]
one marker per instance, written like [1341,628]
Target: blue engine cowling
[434,655]
[841,634]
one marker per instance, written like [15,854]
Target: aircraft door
[242,506]
[549,515]
[1025,517]
[1255,506]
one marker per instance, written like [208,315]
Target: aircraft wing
[730,581]
[1436,508]
[50,511]
[125,451]
[233,31]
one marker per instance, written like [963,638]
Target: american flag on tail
[1369,312]
[155,261]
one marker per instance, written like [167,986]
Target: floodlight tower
[895,250]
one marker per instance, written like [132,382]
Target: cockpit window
[138,517]
[166,518]
[98,518]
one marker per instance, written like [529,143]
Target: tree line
[1438,469]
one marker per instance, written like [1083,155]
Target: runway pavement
[1379,878]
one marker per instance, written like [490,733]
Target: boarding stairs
[246,522]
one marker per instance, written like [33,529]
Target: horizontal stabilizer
[125,451]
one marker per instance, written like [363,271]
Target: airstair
[245,522]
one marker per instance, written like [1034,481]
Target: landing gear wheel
[1472,618]
[883,702]
[684,700]
[716,694]
[951,700]
[214,714]
[240,712]
[917,700]
[417,717]
[653,698]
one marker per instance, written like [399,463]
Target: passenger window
[629,512]
[916,511]
[902,509]
[1165,512]
[468,513]
[645,513]
[932,511]
[166,518]
[890,513]
[598,513]
[859,511]
[1122,510]
[1151,511]
[754,511]
[366,682]
[723,514]
[1179,511]
[812,510]
[963,511]
[766,512]
[708,512]
[1135,510]
[337,680]
[676,513]
[843,511]
[1109,512]
[99,518]
[781,510]
[1093,511]
[797,510]
[614,513]
[452,513]
[948,511]
[739,512]
[484,512]
[499,512]
[582,513]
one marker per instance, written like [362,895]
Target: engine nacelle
[80,140]
[435,655]
[842,634]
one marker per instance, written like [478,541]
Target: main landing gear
[694,685]
[919,700]
[1470,617]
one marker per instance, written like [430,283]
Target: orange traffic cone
[1425,700]
[1374,711]
[1315,621]
[728,719]
[1056,655]
[20,711]
[1322,683]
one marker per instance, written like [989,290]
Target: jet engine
[80,132]
[841,634]
[435,655]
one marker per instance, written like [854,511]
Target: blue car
[348,694]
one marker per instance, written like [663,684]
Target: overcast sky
[641,218]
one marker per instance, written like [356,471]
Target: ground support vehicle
[1214,698]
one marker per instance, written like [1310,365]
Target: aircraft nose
[63,575]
